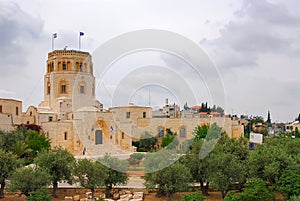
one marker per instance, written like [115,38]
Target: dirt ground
[214,196]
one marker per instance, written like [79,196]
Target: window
[63,88]
[27,122]
[80,67]
[123,135]
[48,89]
[17,110]
[65,136]
[30,113]
[160,131]
[127,115]
[64,66]
[50,118]
[0,108]
[144,114]
[182,131]
[82,89]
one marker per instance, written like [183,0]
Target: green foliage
[147,142]
[90,174]
[217,109]
[257,119]
[59,163]
[268,162]
[172,179]
[289,182]
[200,132]
[8,163]
[170,141]
[294,198]
[196,196]
[255,189]
[39,195]
[116,172]
[28,179]
[138,156]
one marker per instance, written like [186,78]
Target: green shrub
[197,196]
[138,156]
[39,195]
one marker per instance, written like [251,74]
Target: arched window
[48,88]
[182,131]
[63,87]
[160,131]
[65,135]
[64,66]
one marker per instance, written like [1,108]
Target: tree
[269,123]
[268,162]
[90,174]
[225,170]
[116,172]
[255,189]
[289,181]
[59,163]
[8,163]
[28,179]
[198,167]
[172,179]
[200,131]
[147,141]
[170,141]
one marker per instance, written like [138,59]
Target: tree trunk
[204,189]
[108,191]
[93,194]
[169,195]
[223,194]
[2,189]
[54,192]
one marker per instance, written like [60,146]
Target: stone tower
[69,83]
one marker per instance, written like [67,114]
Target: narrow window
[64,66]
[27,122]
[30,113]
[160,132]
[127,115]
[80,67]
[123,135]
[144,114]
[17,110]
[0,108]
[50,118]
[182,132]
[63,88]
[48,89]
[65,136]
[82,89]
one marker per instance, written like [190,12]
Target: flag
[84,150]
[111,128]
[55,35]
[81,33]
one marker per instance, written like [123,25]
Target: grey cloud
[17,30]
[259,27]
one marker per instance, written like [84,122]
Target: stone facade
[73,118]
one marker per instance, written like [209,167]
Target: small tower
[69,83]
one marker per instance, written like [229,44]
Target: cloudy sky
[254,45]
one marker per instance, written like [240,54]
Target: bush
[39,195]
[138,156]
[197,196]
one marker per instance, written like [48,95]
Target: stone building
[73,118]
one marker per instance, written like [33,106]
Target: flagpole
[52,43]
[79,41]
